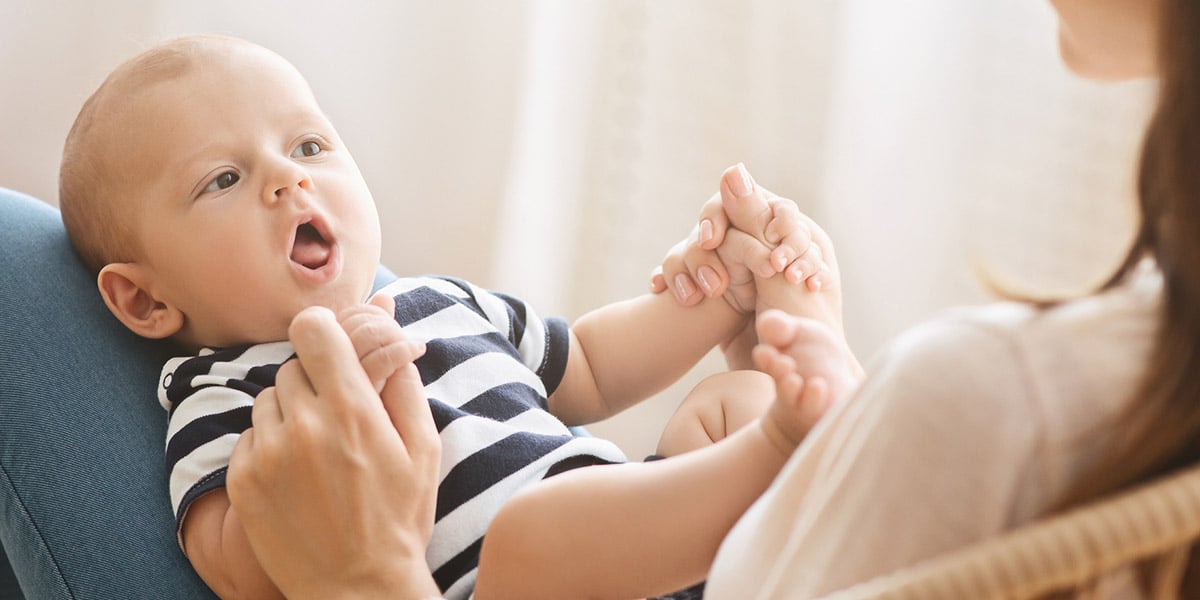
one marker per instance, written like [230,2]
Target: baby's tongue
[309,250]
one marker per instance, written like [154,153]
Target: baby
[215,201]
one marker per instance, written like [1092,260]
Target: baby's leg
[628,530]
[640,529]
[714,409]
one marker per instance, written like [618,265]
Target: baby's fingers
[821,279]
[787,232]
[743,251]
[378,340]
[382,362]
[385,302]
[805,266]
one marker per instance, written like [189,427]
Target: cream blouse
[965,426]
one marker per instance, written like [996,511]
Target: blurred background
[556,150]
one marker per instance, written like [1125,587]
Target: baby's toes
[799,404]
[814,401]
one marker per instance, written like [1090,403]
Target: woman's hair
[1161,431]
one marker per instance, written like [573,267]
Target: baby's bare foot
[812,369]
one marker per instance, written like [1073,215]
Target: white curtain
[555,150]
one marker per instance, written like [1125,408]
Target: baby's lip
[311,245]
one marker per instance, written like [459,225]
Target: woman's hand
[771,236]
[334,483]
[789,242]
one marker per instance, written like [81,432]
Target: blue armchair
[83,495]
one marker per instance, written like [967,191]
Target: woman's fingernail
[706,231]
[683,287]
[815,283]
[708,279]
[742,185]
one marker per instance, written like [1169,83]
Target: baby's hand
[788,239]
[812,368]
[378,339]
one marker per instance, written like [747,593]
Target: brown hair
[1161,430]
[92,176]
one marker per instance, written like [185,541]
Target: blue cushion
[83,495]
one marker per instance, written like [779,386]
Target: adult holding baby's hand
[968,426]
[335,488]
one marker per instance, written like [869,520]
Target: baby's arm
[622,353]
[213,536]
[216,545]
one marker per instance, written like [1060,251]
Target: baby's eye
[222,181]
[306,149]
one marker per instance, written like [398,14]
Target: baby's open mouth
[310,248]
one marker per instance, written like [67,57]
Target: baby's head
[213,198]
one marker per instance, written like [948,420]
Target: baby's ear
[127,292]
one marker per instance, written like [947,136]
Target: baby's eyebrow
[309,118]
[197,155]
[185,167]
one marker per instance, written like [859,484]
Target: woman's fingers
[658,282]
[744,203]
[713,223]
[678,266]
[407,406]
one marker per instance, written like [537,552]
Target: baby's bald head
[99,172]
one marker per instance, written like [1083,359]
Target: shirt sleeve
[209,398]
[542,343]
[926,457]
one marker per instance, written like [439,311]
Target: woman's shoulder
[1118,322]
[1061,370]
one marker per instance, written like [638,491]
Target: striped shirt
[490,363]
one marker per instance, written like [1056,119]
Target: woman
[986,419]
[967,426]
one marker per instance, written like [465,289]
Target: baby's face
[250,208]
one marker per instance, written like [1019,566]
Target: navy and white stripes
[490,363]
